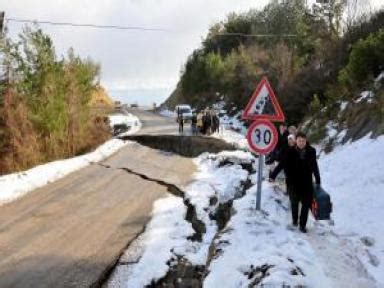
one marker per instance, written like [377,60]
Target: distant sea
[142,97]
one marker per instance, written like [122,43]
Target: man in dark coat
[194,124]
[306,167]
[299,164]
[207,122]
[180,120]
[288,163]
[282,145]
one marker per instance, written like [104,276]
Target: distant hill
[100,98]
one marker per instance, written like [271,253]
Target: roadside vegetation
[315,58]
[47,105]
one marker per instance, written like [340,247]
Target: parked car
[185,110]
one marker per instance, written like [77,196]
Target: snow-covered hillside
[354,176]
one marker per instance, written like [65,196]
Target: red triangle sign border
[278,117]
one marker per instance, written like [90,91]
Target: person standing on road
[282,144]
[207,122]
[300,165]
[288,164]
[194,124]
[199,124]
[216,123]
[306,168]
[180,120]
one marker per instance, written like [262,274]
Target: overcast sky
[136,65]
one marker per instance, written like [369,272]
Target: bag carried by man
[321,204]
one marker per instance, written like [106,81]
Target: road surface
[70,232]
[158,125]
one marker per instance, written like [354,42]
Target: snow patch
[166,231]
[343,105]
[353,175]
[167,113]
[367,96]
[127,119]
[256,238]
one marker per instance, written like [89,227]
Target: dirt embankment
[187,146]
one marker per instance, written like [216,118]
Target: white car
[185,110]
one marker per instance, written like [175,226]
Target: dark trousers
[181,126]
[295,199]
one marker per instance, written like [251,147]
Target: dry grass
[22,147]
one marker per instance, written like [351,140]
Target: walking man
[306,168]
[288,164]
[180,120]
[194,124]
[300,165]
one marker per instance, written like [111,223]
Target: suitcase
[321,204]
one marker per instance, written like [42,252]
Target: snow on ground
[232,137]
[353,175]
[232,130]
[365,96]
[261,247]
[255,247]
[166,231]
[167,113]
[18,184]
[213,179]
[127,119]
[234,123]
[254,239]
[343,105]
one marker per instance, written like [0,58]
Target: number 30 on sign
[262,137]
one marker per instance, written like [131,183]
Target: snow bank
[126,119]
[254,239]
[167,233]
[353,175]
[232,137]
[18,184]
[232,131]
[365,96]
[261,248]
[251,241]
[167,230]
[167,113]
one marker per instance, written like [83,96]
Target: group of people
[297,158]
[205,122]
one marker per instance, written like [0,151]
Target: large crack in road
[181,272]
[191,216]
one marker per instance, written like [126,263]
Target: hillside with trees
[315,57]
[46,110]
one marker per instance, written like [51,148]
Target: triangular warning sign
[263,104]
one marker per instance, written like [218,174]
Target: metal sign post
[259,182]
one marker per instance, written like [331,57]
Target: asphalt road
[70,232]
[155,124]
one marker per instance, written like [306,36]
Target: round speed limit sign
[262,136]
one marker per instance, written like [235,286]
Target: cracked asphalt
[70,233]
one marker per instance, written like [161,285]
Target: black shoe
[295,224]
[303,229]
